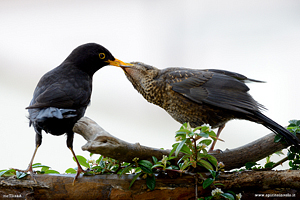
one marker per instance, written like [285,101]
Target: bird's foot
[29,169]
[79,171]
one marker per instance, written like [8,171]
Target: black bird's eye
[102,55]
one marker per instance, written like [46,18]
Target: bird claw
[29,169]
[79,171]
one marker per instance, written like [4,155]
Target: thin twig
[279,162]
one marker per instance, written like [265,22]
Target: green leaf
[212,159]
[290,155]
[157,165]
[82,161]
[212,134]
[191,134]
[134,178]
[249,165]
[45,168]
[181,134]
[175,167]
[102,164]
[151,182]
[204,152]
[3,172]
[277,138]
[294,122]
[269,165]
[207,182]
[146,169]
[206,142]
[182,127]
[183,158]
[174,149]
[205,164]
[145,163]
[279,153]
[179,147]
[188,126]
[126,169]
[98,169]
[8,172]
[70,171]
[185,149]
[294,149]
[296,161]
[20,174]
[99,159]
[37,166]
[203,134]
[146,166]
[51,172]
[89,173]
[171,158]
[227,196]
[154,159]
[170,167]
[183,166]
[213,173]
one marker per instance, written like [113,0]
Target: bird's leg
[70,137]
[211,149]
[38,142]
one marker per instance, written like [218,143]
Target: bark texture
[249,183]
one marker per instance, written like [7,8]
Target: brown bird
[63,94]
[200,97]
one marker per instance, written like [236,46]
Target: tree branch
[101,142]
[59,186]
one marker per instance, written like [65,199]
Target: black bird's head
[141,75]
[91,57]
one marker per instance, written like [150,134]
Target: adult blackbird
[201,96]
[62,95]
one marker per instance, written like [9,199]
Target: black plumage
[201,96]
[63,94]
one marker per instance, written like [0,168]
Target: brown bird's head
[141,75]
[91,57]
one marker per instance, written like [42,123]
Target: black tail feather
[290,138]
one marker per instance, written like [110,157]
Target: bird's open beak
[126,66]
[118,63]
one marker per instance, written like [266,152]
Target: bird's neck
[152,91]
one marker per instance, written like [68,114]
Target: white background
[259,39]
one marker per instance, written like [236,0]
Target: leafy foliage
[294,152]
[269,164]
[43,170]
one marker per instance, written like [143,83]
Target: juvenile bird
[63,94]
[199,97]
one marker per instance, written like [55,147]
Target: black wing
[216,89]
[62,92]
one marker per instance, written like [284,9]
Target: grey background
[259,39]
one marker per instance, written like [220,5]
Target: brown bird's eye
[101,55]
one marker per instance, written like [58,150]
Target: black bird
[199,97]
[63,94]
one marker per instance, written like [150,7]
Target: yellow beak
[118,63]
